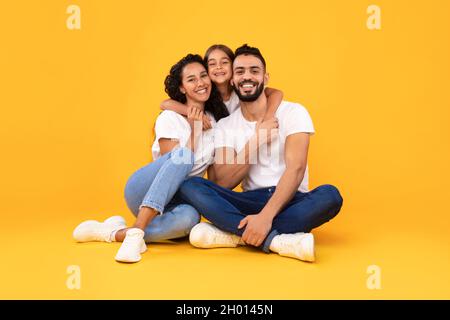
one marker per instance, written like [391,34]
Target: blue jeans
[226,208]
[154,186]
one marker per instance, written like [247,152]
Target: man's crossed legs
[290,233]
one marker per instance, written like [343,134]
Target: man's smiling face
[249,77]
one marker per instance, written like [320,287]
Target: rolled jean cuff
[152,205]
[268,241]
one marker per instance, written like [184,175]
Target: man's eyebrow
[251,67]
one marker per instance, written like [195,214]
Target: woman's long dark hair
[173,82]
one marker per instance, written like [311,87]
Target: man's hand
[257,228]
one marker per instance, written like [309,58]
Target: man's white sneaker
[92,230]
[132,247]
[206,235]
[296,245]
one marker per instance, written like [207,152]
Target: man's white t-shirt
[233,103]
[234,132]
[171,125]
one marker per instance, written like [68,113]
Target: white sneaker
[116,220]
[205,235]
[132,247]
[92,230]
[296,245]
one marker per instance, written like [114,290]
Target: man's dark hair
[247,50]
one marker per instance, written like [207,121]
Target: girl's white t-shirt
[172,125]
[233,103]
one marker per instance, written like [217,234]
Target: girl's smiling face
[219,67]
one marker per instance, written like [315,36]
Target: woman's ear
[182,90]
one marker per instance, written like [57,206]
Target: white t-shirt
[171,125]
[233,103]
[266,169]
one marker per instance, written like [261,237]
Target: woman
[180,149]
[219,59]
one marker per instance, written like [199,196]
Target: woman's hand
[195,118]
[193,115]
[206,122]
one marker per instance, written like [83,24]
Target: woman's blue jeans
[154,186]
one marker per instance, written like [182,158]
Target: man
[275,212]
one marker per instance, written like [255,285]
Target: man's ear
[231,82]
[266,78]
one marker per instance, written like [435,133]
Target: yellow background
[78,107]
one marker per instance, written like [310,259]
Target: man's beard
[251,97]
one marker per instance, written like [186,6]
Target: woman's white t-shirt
[171,125]
[233,103]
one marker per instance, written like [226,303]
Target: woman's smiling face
[195,82]
[219,67]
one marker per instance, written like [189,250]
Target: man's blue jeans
[154,186]
[226,208]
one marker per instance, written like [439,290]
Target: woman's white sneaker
[92,230]
[205,235]
[132,246]
[116,220]
[296,245]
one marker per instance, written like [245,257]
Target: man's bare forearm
[230,171]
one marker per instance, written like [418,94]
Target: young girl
[219,59]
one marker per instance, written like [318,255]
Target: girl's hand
[266,130]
